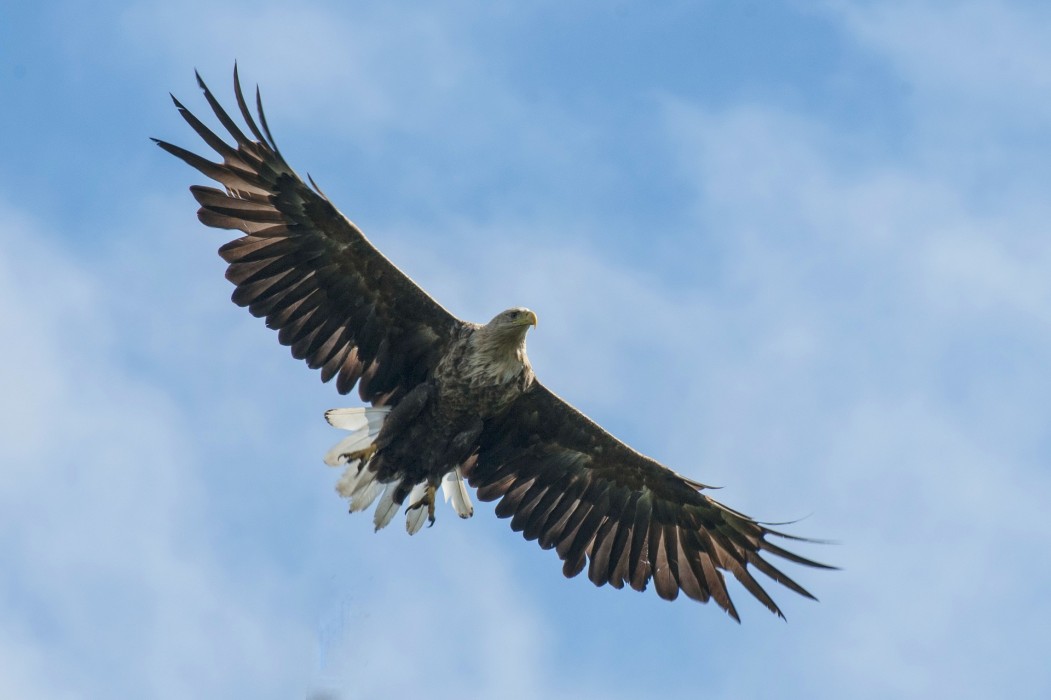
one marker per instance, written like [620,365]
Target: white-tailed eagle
[451,399]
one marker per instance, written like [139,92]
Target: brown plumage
[454,398]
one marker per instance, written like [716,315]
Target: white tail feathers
[386,508]
[456,493]
[354,419]
[364,425]
[363,498]
[417,511]
[359,485]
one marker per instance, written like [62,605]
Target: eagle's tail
[456,493]
[359,485]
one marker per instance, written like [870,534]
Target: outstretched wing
[566,482]
[333,298]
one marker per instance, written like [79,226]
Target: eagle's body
[435,428]
[451,399]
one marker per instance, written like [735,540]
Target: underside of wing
[573,487]
[334,299]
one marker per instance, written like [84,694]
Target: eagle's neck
[499,354]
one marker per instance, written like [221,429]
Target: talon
[426,500]
[364,454]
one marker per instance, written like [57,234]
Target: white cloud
[110,574]
[120,509]
[364,72]
[26,671]
[389,89]
[447,618]
[980,54]
[888,336]
[975,77]
[870,344]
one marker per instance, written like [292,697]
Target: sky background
[797,249]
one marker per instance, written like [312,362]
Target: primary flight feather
[451,399]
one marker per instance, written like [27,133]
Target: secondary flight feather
[450,399]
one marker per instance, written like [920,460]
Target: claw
[364,454]
[427,499]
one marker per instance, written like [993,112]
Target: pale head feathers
[510,326]
[501,344]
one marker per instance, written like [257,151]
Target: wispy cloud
[108,562]
[990,57]
[818,319]
[918,329]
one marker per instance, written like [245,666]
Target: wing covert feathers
[617,514]
[334,299]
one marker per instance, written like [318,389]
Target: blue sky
[799,250]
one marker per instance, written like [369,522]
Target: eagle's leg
[364,454]
[427,499]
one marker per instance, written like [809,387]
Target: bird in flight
[451,400]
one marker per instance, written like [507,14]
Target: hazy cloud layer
[827,314]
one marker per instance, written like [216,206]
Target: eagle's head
[503,338]
[517,318]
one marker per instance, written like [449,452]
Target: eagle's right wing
[333,298]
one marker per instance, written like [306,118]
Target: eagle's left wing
[568,483]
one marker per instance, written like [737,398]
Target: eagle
[450,400]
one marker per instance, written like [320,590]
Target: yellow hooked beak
[528,318]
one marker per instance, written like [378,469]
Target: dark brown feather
[627,518]
[601,552]
[618,555]
[511,500]
[585,534]
[690,581]
[663,579]
[598,569]
[328,292]
[529,502]
[538,517]
[554,523]
[639,570]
